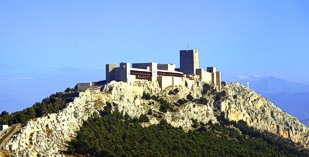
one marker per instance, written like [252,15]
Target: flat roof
[178,72]
[145,70]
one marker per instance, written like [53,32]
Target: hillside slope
[179,106]
[257,111]
[290,96]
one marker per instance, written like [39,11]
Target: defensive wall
[165,74]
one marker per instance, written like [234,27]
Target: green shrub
[149,112]
[175,91]
[202,100]
[182,101]
[190,97]
[223,83]
[146,96]
[53,104]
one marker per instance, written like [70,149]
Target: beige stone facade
[165,74]
[189,65]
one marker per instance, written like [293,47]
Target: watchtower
[189,61]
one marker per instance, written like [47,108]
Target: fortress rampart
[165,74]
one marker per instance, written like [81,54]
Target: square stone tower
[109,71]
[189,61]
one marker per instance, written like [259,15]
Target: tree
[163,108]
[181,101]
[30,112]
[112,135]
[70,90]
[4,117]
[202,100]
[146,96]
[206,88]
[223,83]
[190,97]
[4,113]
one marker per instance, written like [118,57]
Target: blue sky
[46,46]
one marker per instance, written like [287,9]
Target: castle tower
[109,69]
[125,71]
[189,61]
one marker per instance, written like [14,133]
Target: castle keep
[165,74]
[189,61]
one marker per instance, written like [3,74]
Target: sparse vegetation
[206,88]
[173,92]
[164,105]
[149,112]
[146,96]
[190,97]
[220,96]
[235,97]
[53,104]
[70,90]
[223,84]
[201,100]
[182,101]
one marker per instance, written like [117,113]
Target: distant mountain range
[266,85]
[289,96]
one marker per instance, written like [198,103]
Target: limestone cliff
[244,104]
[49,135]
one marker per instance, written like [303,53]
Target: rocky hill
[257,111]
[290,96]
[179,106]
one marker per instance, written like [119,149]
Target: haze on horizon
[47,46]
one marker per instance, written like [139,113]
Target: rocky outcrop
[49,135]
[127,99]
[244,104]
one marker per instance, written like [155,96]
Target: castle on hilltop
[165,74]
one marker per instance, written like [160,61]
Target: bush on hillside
[53,104]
